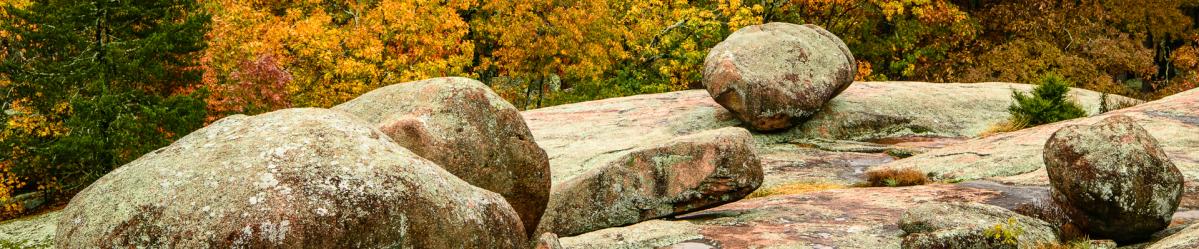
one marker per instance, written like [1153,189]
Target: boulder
[1113,179]
[684,174]
[470,131]
[548,241]
[775,75]
[296,178]
[971,225]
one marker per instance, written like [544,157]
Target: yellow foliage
[9,183]
[795,188]
[337,52]
[1005,233]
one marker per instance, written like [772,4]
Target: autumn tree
[95,84]
[337,50]
[543,45]
[1118,47]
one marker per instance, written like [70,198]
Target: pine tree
[114,79]
[1047,103]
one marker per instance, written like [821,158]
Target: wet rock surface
[464,127]
[775,75]
[286,179]
[1113,179]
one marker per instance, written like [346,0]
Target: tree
[534,44]
[1049,102]
[335,50]
[96,84]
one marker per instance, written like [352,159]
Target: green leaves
[1047,103]
[111,79]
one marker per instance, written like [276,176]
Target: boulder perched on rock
[684,174]
[296,178]
[774,75]
[1113,179]
[462,125]
[971,225]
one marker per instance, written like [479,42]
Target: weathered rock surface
[593,131]
[286,179]
[966,225]
[464,127]
[876,111]
[774,75]
[1016,157]
[1113,179]
[1186,239]
[684,174]
[839,218]
[29,232]
[587,133]
[548,241]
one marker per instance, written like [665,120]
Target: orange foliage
[895,178]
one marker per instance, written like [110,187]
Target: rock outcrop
[971,225]
[1017,157]
[1188,238]
[464,127]
[681,175]
[775,75]
[296,178]
[35,231]
[838,218]
[1113,179]
[578,136]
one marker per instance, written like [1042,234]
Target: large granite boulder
[462,125]
[775,75]
[681,175]
[296,178]
[971,225]
[1112,179]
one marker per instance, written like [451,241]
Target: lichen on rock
[1113,179]
[295,178]
[684,174]
[773,76]
[467,129]
[971,225]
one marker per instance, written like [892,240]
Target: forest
[91,85]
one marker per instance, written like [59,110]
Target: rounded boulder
[1112,179]
[460,124]
[773,76]
[296,178]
